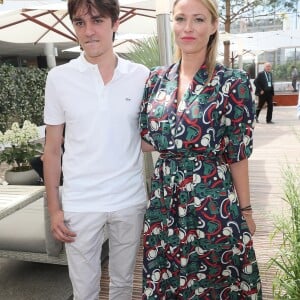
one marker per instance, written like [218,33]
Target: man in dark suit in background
[265,91]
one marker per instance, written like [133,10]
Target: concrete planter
[29,177]
[285,98]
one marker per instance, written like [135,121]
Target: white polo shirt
[102,162]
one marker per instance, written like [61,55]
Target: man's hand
[59,229]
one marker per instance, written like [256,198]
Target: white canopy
[50,23]
[257,42]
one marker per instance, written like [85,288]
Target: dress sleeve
[146,107]
[239,117]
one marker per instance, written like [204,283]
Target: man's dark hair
[107,8]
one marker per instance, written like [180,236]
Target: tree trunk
[227,29]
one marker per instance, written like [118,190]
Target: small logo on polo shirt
[128,99]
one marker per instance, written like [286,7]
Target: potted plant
[18,146]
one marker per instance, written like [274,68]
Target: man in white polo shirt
[97,96]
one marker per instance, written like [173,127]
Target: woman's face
[192,26]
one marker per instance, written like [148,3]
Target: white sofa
[25,234]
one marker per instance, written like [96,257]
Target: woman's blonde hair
[212,46]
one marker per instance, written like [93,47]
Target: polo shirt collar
[84,65]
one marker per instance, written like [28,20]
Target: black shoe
[270,122]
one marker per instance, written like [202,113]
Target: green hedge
[21,95]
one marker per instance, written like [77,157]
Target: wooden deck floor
[275,145]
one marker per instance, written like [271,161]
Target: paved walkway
[275,145]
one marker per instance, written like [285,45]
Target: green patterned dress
[196,243]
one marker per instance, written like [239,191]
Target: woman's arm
[147,147]
[240,176]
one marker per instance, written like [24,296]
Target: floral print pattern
[196,243]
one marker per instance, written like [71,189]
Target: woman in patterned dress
[199,116]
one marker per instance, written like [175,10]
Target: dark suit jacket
[261,84]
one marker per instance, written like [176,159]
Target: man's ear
[116,25]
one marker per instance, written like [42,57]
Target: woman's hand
[147,147]
[250,222]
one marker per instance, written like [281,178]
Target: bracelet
[247,213]
[246,208]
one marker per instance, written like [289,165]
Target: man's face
[94,32]
[268,68]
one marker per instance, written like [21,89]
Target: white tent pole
[240,43]
[50,52]
[164,31]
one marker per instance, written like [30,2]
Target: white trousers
[124,229]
